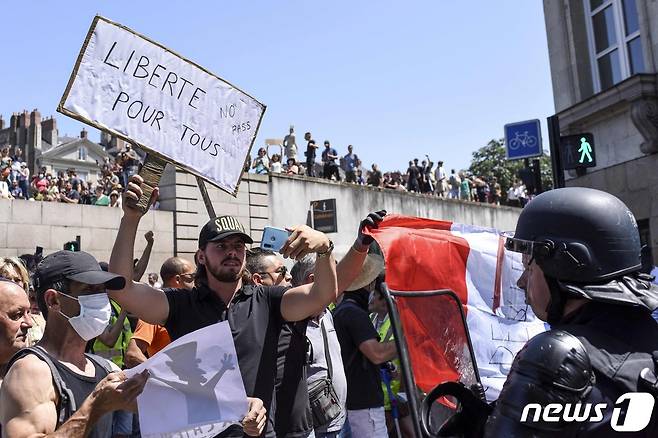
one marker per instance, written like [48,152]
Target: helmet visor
[519,245]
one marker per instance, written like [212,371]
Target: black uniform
[587,244]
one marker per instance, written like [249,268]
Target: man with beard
[255,313]
[362,354]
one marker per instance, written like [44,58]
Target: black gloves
[371,221]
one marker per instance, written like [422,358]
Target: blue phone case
[273,238]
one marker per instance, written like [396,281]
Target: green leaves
[490,161]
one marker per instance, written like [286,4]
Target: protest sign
[195,387]
[137,89]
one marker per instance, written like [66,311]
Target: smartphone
[274,238]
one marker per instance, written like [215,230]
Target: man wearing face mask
[55,388]
[362,354]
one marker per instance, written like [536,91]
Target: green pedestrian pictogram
[585,150]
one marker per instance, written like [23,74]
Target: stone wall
[262,200]
[636,183]
[24,225]
[290,199]
[179,192]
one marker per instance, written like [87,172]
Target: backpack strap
[66,405]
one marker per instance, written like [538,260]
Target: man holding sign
[255,313]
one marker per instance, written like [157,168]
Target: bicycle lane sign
[523,139]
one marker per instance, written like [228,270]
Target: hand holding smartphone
[274,238]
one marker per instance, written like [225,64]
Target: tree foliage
[490,161]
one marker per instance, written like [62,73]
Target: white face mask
[95,312]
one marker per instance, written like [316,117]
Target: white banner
[195,387]
[499,320]
[137,89]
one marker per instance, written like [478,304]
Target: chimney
[49,131]
[33,143]
[21,134]
[83,133]
[2,122]
[106,140]
[120,144]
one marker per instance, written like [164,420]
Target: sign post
[135,88]
[523,139]
[323,216]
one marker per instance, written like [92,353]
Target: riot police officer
[581,256]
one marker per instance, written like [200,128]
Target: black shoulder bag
[325,404]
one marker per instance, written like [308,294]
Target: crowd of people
[420,177]
[67,186]
[314,343]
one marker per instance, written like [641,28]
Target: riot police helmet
[578,235]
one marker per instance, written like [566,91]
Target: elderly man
[15,321]
[71,292]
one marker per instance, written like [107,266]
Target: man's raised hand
[304,240]
[371,221]
[131,197]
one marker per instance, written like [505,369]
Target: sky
[397,80]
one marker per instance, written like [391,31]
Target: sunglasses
[283,270]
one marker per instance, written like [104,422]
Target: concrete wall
[24,225]
[290,199]
[262,200]
[282,201]
[634,182]
[179,192]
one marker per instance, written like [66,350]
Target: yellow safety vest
[385,335]
[117,352]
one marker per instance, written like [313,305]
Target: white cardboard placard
[139,90]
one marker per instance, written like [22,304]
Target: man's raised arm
[140,299]
[310,299]
[351,265]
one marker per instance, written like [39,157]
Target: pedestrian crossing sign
[577,151]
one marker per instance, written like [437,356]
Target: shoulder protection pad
[553,367]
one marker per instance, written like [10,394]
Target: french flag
[424,256]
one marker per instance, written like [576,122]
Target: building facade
[604,64]
[43,146]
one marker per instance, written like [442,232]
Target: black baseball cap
[220,228]
[77,266]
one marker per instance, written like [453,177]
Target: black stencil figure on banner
[199,392]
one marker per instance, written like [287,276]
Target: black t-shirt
[291,410]
[310,151]
[375,178]
[413,172]
[255,320]
[353,326]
